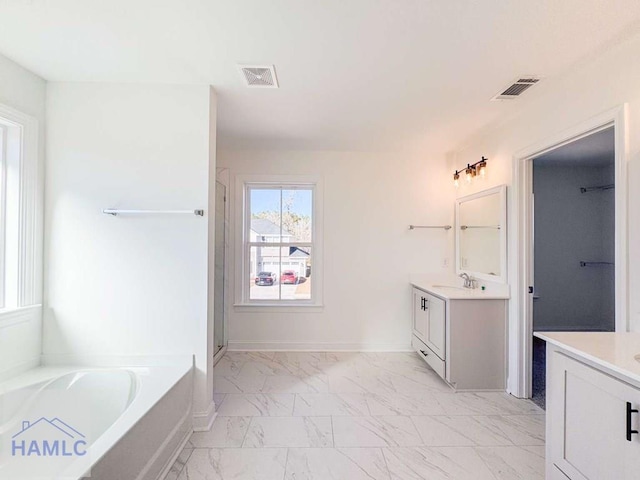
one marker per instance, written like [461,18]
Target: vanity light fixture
[478,168]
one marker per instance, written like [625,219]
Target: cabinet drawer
[428,356]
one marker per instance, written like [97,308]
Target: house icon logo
[48,438]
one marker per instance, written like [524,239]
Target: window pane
[264,273]
[295,276]
[265,214]
[297,210]
[280,273]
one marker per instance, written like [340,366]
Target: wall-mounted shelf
[445,227]
[493,227]
[116,212]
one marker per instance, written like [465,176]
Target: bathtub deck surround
[112,411]
[344,415]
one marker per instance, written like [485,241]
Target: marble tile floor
[326,415]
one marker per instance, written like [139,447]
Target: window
[20,212]
[279,244]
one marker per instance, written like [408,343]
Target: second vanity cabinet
[592,415]
[461,335]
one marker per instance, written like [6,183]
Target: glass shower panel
[219,279]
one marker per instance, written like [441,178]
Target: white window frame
[22,277]
[4,130]
[242,242]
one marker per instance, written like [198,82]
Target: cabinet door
[589,422]
[435,330]
[420,314]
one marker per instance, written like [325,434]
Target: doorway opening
[573,229]
[522,245]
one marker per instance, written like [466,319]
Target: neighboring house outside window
[268,258]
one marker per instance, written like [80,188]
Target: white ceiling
[354,74]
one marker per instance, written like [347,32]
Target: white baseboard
[202,421]
[319,347]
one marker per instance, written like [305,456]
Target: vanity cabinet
[429,321]
[462,339]
[592,418]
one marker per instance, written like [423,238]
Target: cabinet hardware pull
[630,411]
[426,355]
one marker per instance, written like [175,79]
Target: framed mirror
[481,234]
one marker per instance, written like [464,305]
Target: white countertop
[443,289]
[613,351]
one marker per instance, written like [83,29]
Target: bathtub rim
[165,374]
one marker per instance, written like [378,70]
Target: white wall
[557,104]
[21,336]
[369,253]
[571,227]
[22,90]
[124,285]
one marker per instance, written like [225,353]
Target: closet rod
[599,188]
[595,264]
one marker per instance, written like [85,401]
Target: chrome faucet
[469,282]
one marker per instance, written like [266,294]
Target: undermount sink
[449,286]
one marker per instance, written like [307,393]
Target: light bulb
[482,167]
[468,174]
[456,178]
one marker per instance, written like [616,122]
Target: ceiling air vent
[517,88]
[259,76]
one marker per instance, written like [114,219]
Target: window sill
[14,316]
[277,308]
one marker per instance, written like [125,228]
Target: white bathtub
[83,414]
